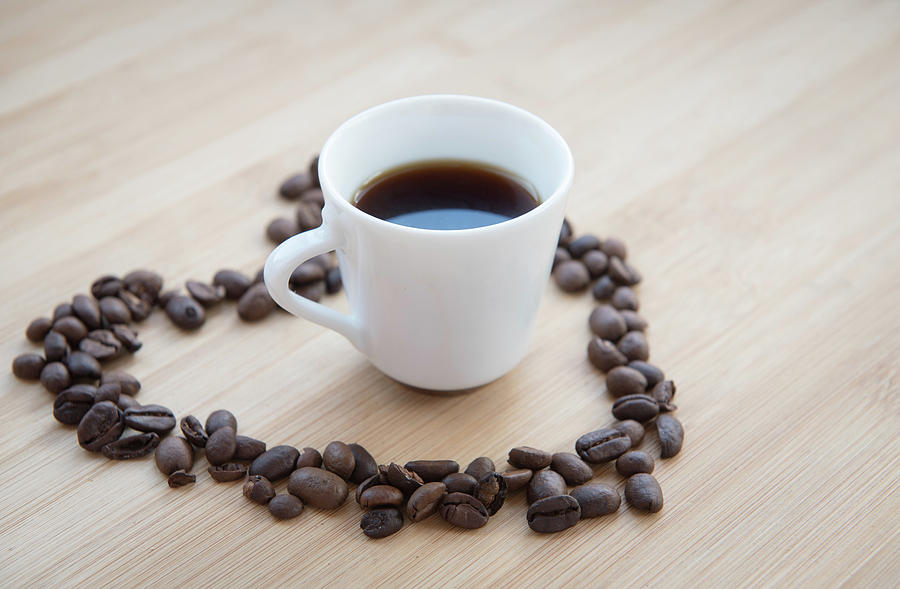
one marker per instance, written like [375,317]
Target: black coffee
[445,194]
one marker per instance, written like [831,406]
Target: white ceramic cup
[434,309]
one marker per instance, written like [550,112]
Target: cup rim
[345,206]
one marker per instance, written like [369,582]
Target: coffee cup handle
[282,262]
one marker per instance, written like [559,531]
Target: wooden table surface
[748,152]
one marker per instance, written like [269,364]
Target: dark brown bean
[372,481]
[129,384]
[596,499]
[205,294]
[622,380]
[634,345]
[281,228]
[61,310]
[631,463]
[102,345]
[114,310]
[604,355]
[108,392]
[106,286]
[150,418]
[55,377]
[295,185]
[131,447]
[102,424]
[464,511]
[664,392]
[553,514]
[405,480]
[256,304]
[258,489]
[309,215]
[71,328]
[275,463]
[561,255]
[83,365]
[306,273]
[185,312]
[652,373]
[220,446]
[565,233]
[641,408]
[235,283]
[643,492]
[516,479]
[632,429]
[491,491]
[56,349]
[671,435]
[432,470]
[623,273]
[333,281]
[227,472]
[480,467]
[572,276]
[314,196]
[38,329]
[382,522]
[602,445]
[220,418]
[604,288]
[545,483]
[460,482]
[528,457]
[606,322]
[624,298]
[633,321]
[144,283]
[364,464]
[174,453]
[28,366]
[338,458]
[425,501]
[573,469]
[139,308]
[248,448]
[317,487]
[71,405]
[596,262]
[285,506]
[125,401]
[180,478]
[581,245]
[613,246]
[380,496]
[86,308]
[309,457]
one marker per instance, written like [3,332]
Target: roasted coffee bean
[139,308]
[309,216]
[295,185]
[180,478]
[106,286]
[640,408]
[573,469]
[205,294]
[227,472]
[310,457]
[516,479]
[333,281]
[144,283]
[126,402]
[565,233]
[86,308]
[102,424]
[275,463]
[247,448]
[314,170]
[633,462]
[56,349]
[317,487]
[632,429]
[634,345]
[38,329]
[380,496]
[128,337]
[62,310]
[101,346]
[130,447]
[338,458]
[464,511]
[602,445]
[220,418]
[624,298]
[364,465]
[108,392]
[671,435]
[545,483]
[258,489]
[55,377]
[166,296]
[432,470]
[150,418]
[71,328]
[652,373]
[623,273]
[596,262]
[313,292]
[643,492]
[622,380]
[425,501]
[260,275]
[71,405]
[174,453]
[581,245]
[185,312]
[285,506]
[553,514]
[405,480]
[256,304]
[572,276]
[382,522]
[460,482]
[606,322]
[604,355]
[314,196]
[28,366]
[306,273]
[280,228]
[480,467]
[83,365]
[491,491]
[130,385]
[220,446]
[327,261]
[614,247]
[114,310]
[664,392]
[604,288]
[235,283]
[596,499]
[633,321]
[372,481]
[561,255]
[193,431]
[528,457]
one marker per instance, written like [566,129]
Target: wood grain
[748,152]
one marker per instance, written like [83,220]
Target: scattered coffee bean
[604,288]
[130,447]
[333,281]
[327,261]
[633,462]
[652,373]
[602,445]
[28,366]
[338,458]
[310,457]
[491,491]
[606,322]
[614,247]
[220,446]
[460,482]
[205,294]
[129,384]
[314,196]
[185,312]
[55,377]
[317,487]
[139,308]
[380,496]
[258,489]
[624,298]
[220,418]
[126,402]
[247,448]
[622,380]
[83,365]
[561,255]
[128,337]
[71,405]
[174,453]
[166,296]
[634,345]
[565,233]
[256,304]
[425,501]
[432,470]
[150,418]
[281,228]
[38,329]
[295,185]
[235,283]
[364,464]
[144,283]
[405,480]
[623,273]
[71,328]
[285,506]
[596,262]
[573,469]
[108,392]
[664,392]
[372,481]
[516,479]
[671,435]
[62,310]
[180,478]
[106,286]
[545,483]
[314,170]
[102,424]
[382,522]
[528,457]
[480,467]
[581,245]
[632,429]
[114,310]
[605,355]
[306,273]
[313,292]
[102,345]
[464,511]
[643,492]
[56,349]
[275,463]
[572,276]
[227,472]
[86,308]
[309,216]
[596,499]
[553,514]
[633,321]
[639,408]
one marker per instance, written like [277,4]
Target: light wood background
[749,153]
